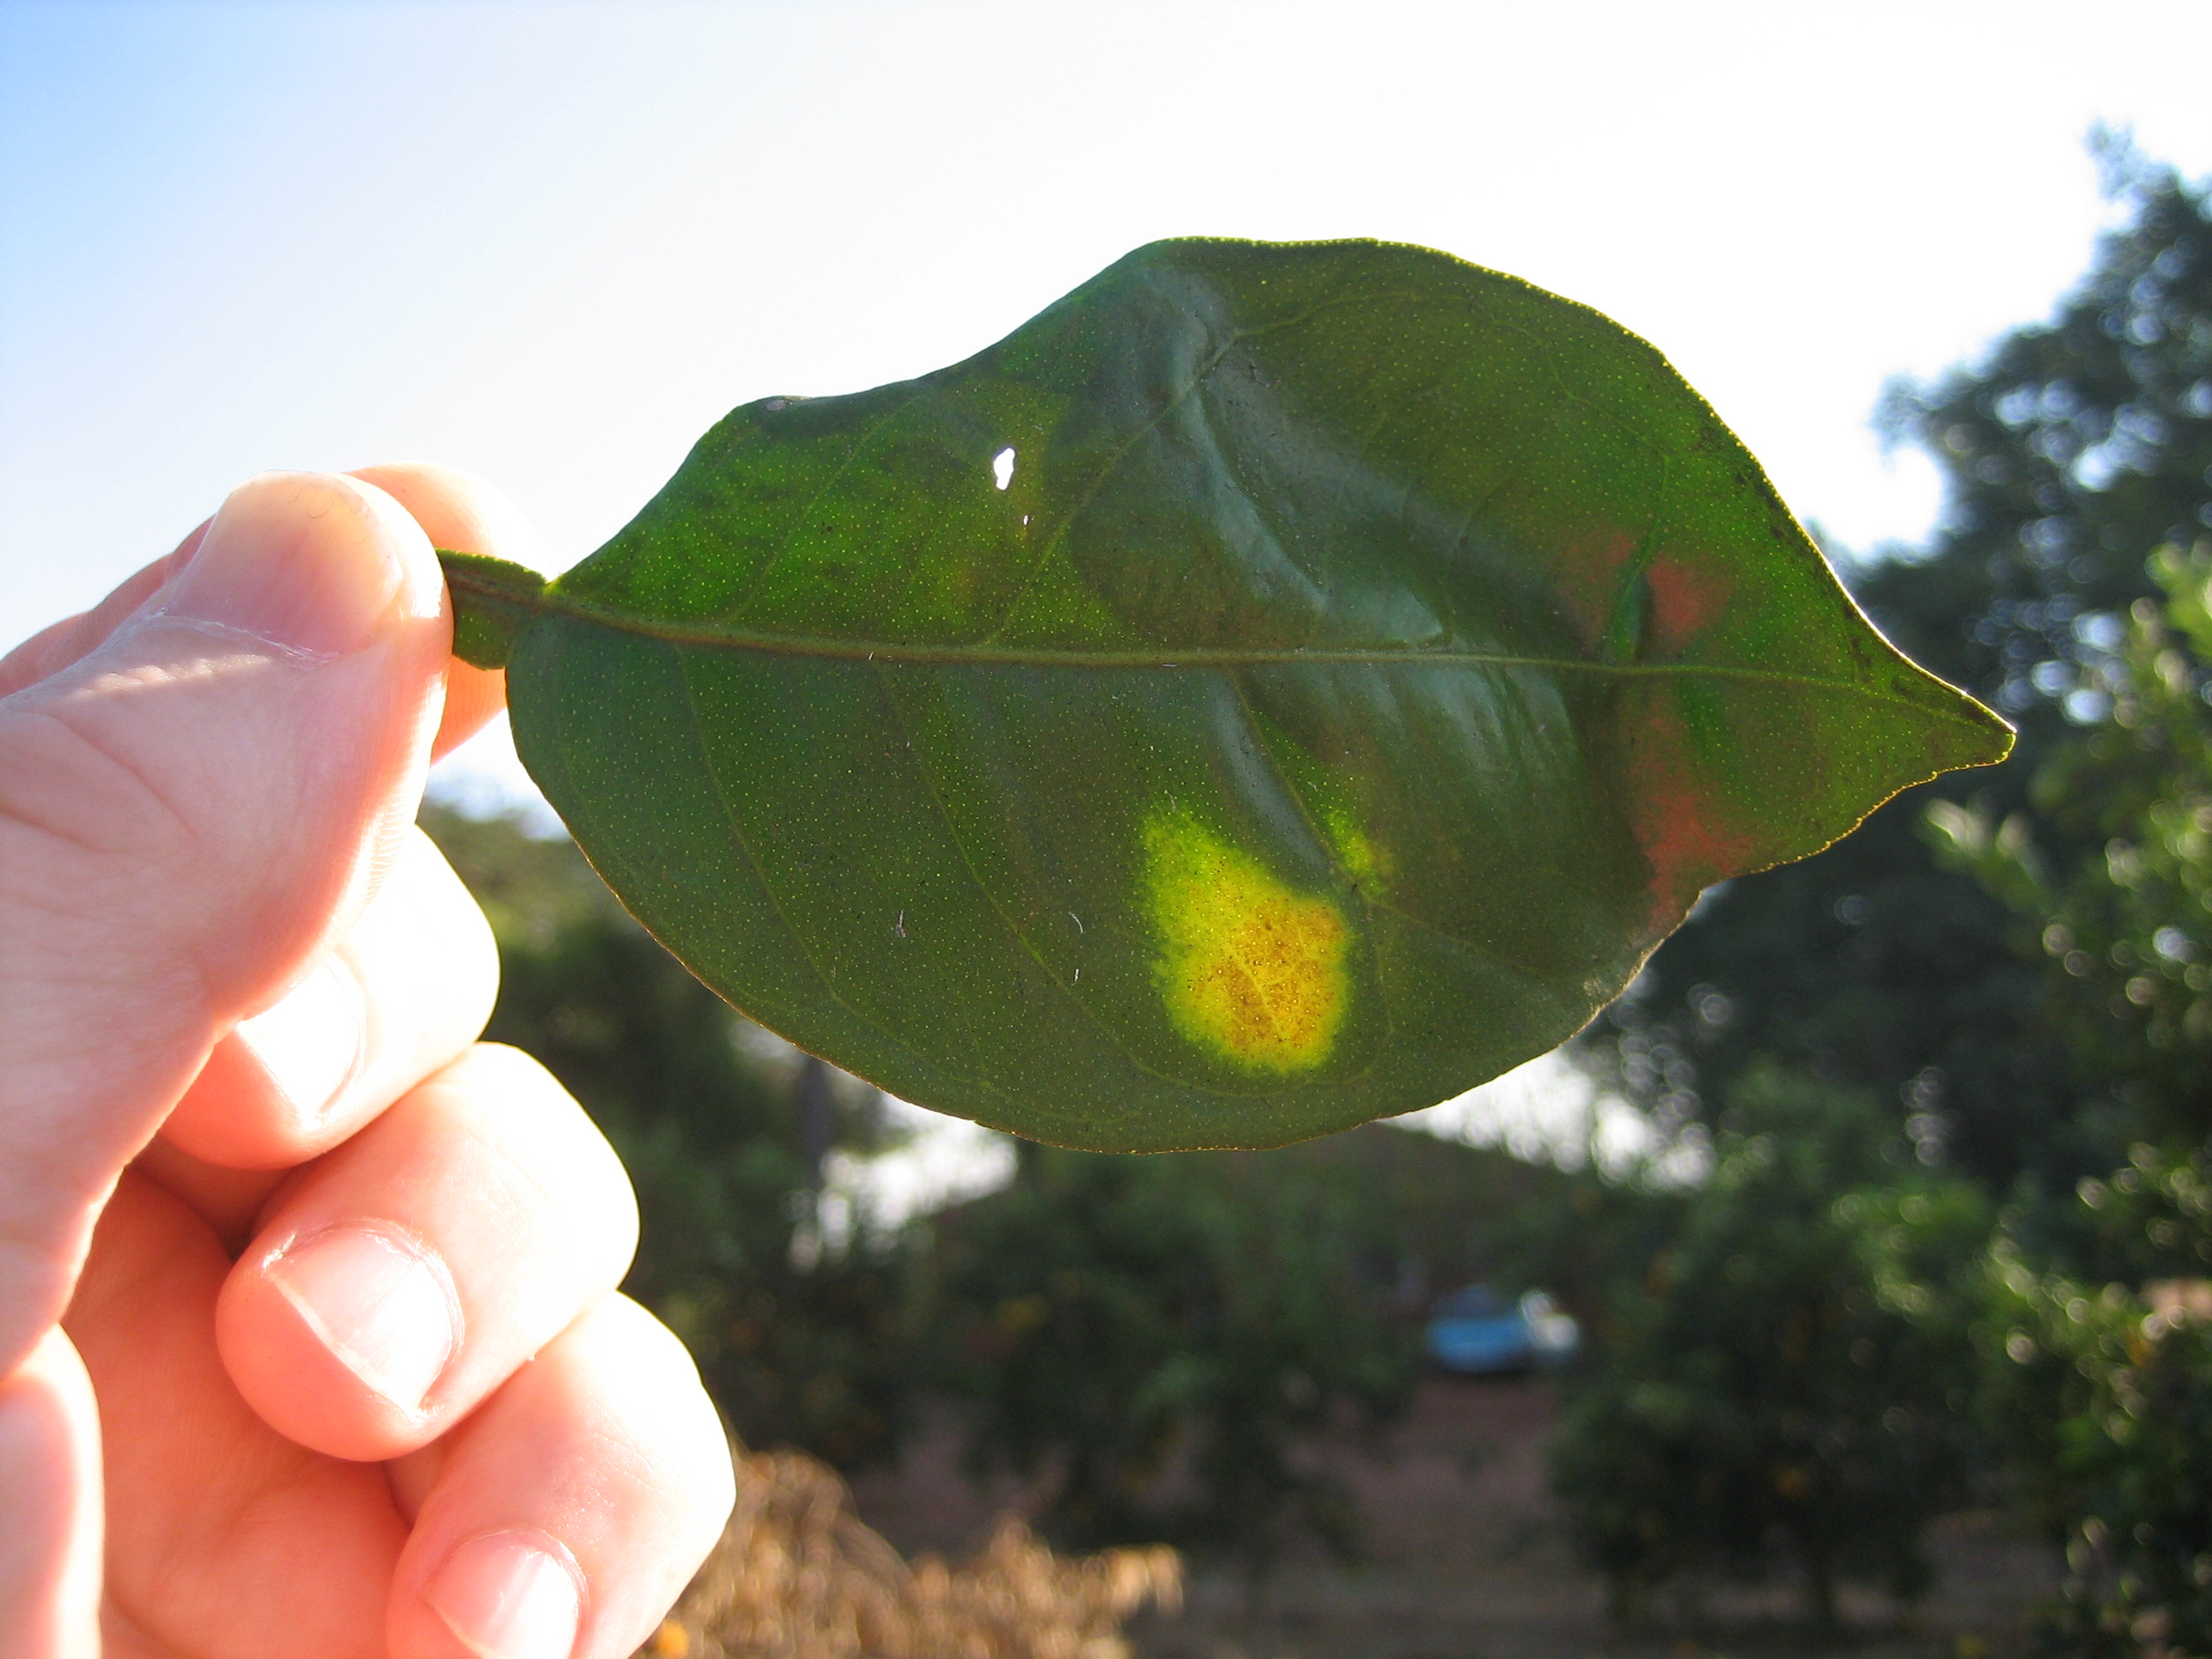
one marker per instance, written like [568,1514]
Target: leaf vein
[876,429]
[1021,936]
[1053,543]
[745,846]
[1152,658]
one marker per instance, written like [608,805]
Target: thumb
[187,815]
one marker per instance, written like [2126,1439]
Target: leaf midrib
[552,601]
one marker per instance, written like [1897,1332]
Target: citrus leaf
[1276,687]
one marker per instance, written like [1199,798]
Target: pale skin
[309,1337]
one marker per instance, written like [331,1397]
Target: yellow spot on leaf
[1249,967]
[1364,862]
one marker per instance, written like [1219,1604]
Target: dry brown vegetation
[797,1576]
[1468,1556]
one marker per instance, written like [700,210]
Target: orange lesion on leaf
[1249,967]
[1690,838]
[1684,599]
[1588,562]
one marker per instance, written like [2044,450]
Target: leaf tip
[1987,738]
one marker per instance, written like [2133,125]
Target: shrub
[1157,1334]
[1785,1384]
[2102,1396]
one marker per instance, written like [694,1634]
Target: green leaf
[1276,687]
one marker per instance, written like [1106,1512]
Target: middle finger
[410,1272]
[405,992]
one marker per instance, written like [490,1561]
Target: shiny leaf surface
[1276,687]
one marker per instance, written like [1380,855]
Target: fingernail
[310,1042]
[301,560]
[378,1302]
[509,1597]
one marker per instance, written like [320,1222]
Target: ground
[1467,1560]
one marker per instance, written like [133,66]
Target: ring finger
[562,1519]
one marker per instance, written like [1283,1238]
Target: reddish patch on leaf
[1684,599]
[1689,838]
[1588,563]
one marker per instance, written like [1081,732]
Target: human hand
[339,1281]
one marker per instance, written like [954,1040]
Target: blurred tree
[2072,449]
[2097,1341]
[2101,1394]
[800,1345]
[1783,1384]
[2110,874]
[1158,1335]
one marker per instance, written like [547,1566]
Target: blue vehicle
[1475,1332]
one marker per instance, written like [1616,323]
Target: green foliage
[818,1355]
[1278,686]
[2072,450]
[1783,1384]
[2102,1395]
[1157,1334]
[2032,994]
[2096,1340]
[2112,875]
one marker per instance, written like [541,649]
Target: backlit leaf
[1276,687]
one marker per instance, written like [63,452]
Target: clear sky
[553,242]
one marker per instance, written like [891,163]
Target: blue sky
[554,242]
